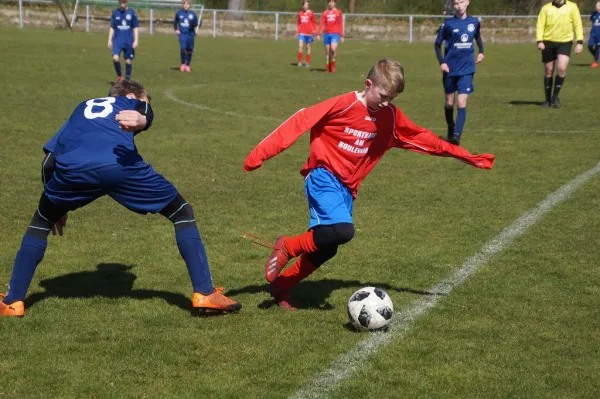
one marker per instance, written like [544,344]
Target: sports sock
[301,269]
[128,68]
[558,84]
[300,244]
[299,56]
[183,56]
[28,257]
[308,58]
[597,53]
[192,250]
[461,117]
[333,64]
[449,112]
[592,49]
[548,87]
[117,67]
[189,58]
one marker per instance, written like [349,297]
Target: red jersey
[333,22]
[307,23]
[348,139]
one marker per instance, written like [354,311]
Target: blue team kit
[458,35]
[595,32]
[123,23]
[185,22]
[95,157]
[306,38]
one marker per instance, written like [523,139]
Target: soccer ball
[370,309]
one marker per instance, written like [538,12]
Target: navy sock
[188,60]
[592,50]
[548,87]
[597,53]
[128,71]
[192,250]
[183,56]
[449,112]
[461,117]
[117,68]
[558,84]
[28,257]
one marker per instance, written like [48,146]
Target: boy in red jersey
[348,136]
[305,29]
[333,24]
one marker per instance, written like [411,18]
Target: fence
[262,24]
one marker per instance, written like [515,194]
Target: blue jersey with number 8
[92,138]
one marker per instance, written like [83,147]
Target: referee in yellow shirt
[555,26]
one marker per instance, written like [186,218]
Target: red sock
[332,65]
[300,244]
[299,56]
[308,58]
[301,269]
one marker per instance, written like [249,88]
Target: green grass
[108,310]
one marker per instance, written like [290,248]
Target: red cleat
[282,298]
[327,68]
[278,259]
[119,77]
[594,64]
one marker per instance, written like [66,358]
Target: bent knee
[344,232]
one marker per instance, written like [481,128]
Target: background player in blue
[123,37]
[185,27]
[458,64]
[594,42]
[93,155]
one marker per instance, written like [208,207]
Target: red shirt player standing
[306,27]
[332,22]
[348,136]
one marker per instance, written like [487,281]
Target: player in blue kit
[185,27]
[458,64]
[594,42]
[92,155]
[123,37]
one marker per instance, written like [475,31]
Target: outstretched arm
[287,133]
[411,137]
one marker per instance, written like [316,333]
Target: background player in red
[332,23]
[306,27]
[348,136]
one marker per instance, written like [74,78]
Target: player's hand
[131,121]
[578,49]
[135,44]
[480,57]
[541,46]
[342,39]
[318,37]
[110,44]
[178,32]
[59,226]
[444,68]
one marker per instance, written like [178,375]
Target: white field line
[350,362]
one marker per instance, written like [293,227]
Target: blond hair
[388,74]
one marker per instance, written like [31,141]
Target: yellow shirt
[556,24]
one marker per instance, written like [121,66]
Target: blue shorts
[594,40]
[139,188]
[186,42]
[306,38]
[329,38]
[329,200]
[127,49]
[461,84]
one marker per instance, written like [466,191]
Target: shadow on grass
[314,294]
[519,102]
[110,280]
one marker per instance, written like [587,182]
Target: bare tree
[236,5]
[352,6]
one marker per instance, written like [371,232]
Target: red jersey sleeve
[298,23]
[411,137]
[341,23]
[313,20]
[287,133]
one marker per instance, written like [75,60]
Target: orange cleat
[282,298]
[14,309]
[278,259]
[215,302]
[594,64]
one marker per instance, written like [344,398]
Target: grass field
[108,313]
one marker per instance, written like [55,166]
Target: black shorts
[553,49]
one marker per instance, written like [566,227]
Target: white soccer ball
[370,309]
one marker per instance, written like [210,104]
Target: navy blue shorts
[186,42]
[329,200]
[594,40]
[127,49]
[139,188]
[461,84]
